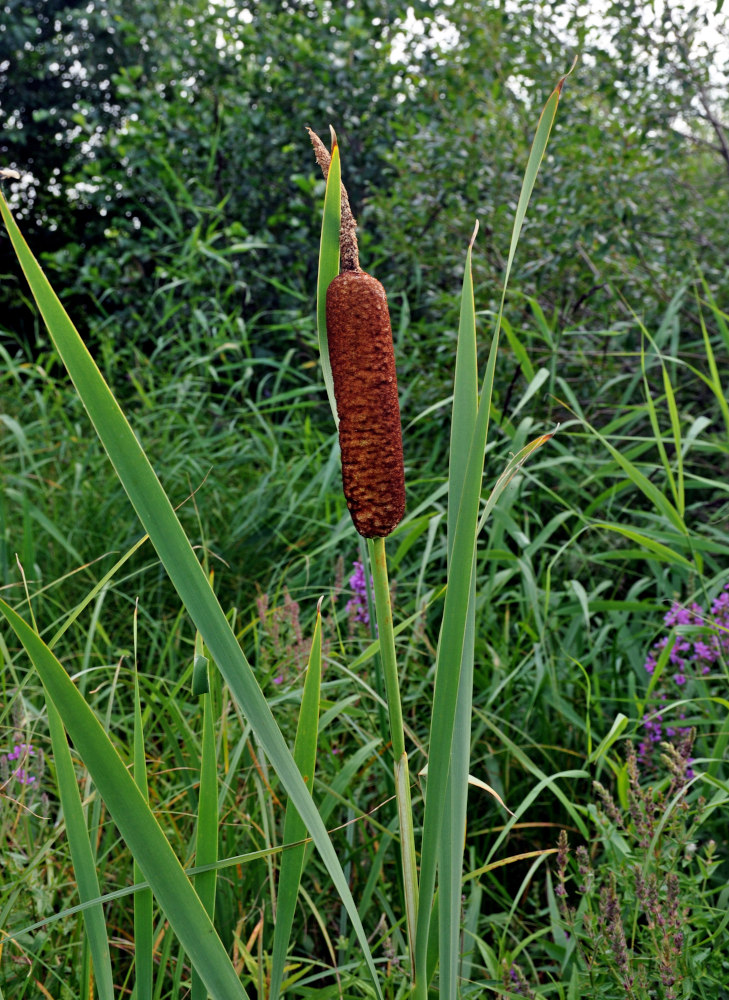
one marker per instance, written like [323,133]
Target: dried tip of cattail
[473,238]
[319,604]
[321,153]
[333,136]
[349,253]
[365,386]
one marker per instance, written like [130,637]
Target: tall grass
[550,612]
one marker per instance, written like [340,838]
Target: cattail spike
[365,383]
[365,386]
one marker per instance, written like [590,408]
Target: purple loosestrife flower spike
[358,603]
[22,752]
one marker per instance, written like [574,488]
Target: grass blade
[676,486]
[292,861]
[715,381]
[509,472]
[663,553]
[640,480]
[143,900]
[206,839]
[82,854]
[329,267]
[84,862]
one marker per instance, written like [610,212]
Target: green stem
[386,636]
[365,559]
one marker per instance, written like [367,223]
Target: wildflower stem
[397,734]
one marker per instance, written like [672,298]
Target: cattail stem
[386,636]
[366,560]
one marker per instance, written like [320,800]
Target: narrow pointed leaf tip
[558,88]
[477,783]
[473,237]
[334,137]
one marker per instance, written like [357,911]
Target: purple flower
[21,752]
[357,605]
[704,651]
[691,655]
[721,603]
[679,649]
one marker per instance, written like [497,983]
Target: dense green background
[170,191]
[150,127]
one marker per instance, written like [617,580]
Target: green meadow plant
[188,896]
[641,911]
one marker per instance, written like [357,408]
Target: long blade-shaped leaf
[206,836]
[659,500]
[188,577]
[82,854]
[450,855]
[465,396]
[454,627]
[143,900]
[329,267]
[84,863]
[292,862]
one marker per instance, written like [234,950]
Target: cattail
[365,384]
[365,387]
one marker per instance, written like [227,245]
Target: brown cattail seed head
[365,387]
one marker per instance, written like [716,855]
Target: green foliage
[645,909]
[184,242]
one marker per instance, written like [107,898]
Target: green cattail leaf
[200,683]
[329,267]
[456,631]
[292,862]
[450,854]
[132,815]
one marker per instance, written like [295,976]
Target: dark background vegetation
[169,188]
[134,123]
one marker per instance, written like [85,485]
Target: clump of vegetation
[644,910]
[241,741]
